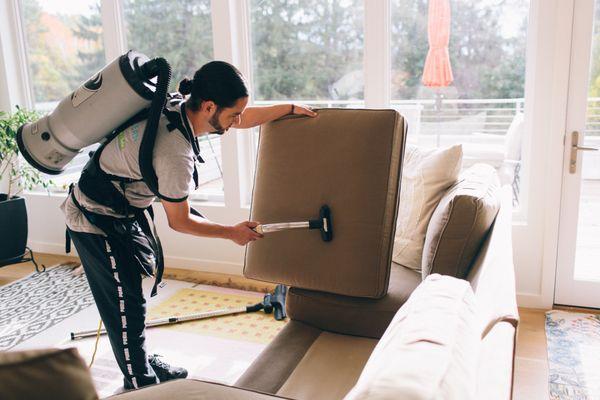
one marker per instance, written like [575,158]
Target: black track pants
[117,289]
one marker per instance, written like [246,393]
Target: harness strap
[107,224]
[152,235]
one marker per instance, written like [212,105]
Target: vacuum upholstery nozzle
[324,224]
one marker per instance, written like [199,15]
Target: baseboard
[193,264]
[51,248]
[529,300]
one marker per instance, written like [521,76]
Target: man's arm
[254,116]
[181,220]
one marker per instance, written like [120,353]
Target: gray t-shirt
[173,162]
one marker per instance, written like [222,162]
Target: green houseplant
[15,175]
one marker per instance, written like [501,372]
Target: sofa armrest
[493,274]
[45,373]
[183,389]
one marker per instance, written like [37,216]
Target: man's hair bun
[185,86]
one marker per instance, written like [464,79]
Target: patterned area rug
[39,301]
[573,355]
[41,309]
[256,327]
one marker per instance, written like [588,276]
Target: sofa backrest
[460,222]
[349,160]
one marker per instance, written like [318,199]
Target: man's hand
[302,110]
[255,116]
[243,233]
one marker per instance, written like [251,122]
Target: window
[64,47]
[308,51]
[312,52]
[180,32]
[482,107]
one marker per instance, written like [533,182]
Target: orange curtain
[437,71]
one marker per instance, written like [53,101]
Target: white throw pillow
[426,175]
[430,350]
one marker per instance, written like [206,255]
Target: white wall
[47,234]
[535,230]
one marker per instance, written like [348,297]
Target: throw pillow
[426,175]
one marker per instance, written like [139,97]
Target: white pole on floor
[170,320]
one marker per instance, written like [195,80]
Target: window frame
[231,42]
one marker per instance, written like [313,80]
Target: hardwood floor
[13,272]
[531,364]
[531,361]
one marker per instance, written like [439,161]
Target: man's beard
[214,122]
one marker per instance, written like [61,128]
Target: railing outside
[479,124]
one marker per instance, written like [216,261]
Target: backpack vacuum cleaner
[130,84]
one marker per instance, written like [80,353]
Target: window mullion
[18,88]
[245,143]
[377,64]
[223,23]
[113,28]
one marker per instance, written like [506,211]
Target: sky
[67,6]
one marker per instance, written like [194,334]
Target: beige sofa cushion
[296,360]
[460,222]
[352,315]
[426,176]
[340,358]
[48,373]
[348,159]
[430,350]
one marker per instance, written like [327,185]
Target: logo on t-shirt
[121,140]
[135,132]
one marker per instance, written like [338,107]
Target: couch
[445,332]
[321,355]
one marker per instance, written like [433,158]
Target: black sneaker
[164,371]
[127,385]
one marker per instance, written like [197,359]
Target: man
[105,211]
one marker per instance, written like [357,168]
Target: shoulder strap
[178,120]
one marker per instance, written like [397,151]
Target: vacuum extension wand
[324,224]
[272,303]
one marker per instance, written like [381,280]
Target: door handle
[574,149]
[583,148]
